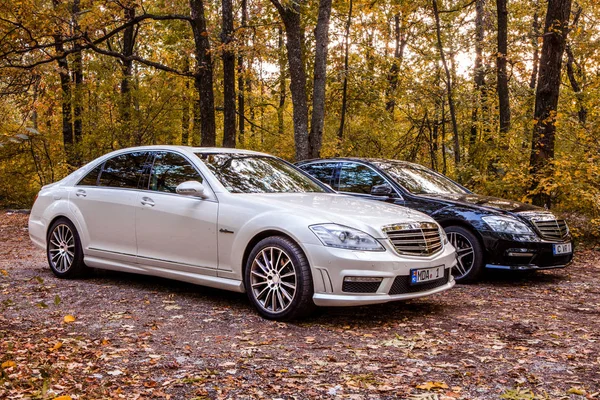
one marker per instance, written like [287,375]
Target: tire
[469,254]
[63,248]
[283,291]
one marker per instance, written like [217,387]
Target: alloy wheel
[465,254]
[62,248]
[273,279]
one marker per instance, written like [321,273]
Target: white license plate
[564,248]
[426,274]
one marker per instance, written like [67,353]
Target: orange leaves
[68,319]
[8,364]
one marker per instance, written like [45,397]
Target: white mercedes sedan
[241,221]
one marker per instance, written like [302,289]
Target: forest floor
[116,335]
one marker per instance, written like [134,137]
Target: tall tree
[290,13]
[501,68]
[573,71]
[449,90]
[556,29]
[203,76]
[241,73]
[343,111]
[478,71]
[401,40]
[319,78]
[229,117]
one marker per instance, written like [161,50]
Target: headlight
[443,236]
[342,237]
[507,225]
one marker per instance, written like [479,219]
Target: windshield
[420,180]
[243,173]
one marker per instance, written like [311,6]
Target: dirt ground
[115,335]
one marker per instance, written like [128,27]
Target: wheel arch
[260,236]
[464,224]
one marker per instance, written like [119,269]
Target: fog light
[520,253]
[361,279]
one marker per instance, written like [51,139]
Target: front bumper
[330,266]
[503,252]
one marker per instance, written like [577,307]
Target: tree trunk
[345,73]
[478,71]
[65,86]
[401,41]
[319,78]
[448,84]
[78,90]
[241,72]
[203,77]
[229,117]
[546,98]
[185,107]
[282,83]
[571,74]
[536,50]
[290,14]
[501,58]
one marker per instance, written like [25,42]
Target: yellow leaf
[69,318]
[57,346]
[4,272]
[63,398]
[432,385]
[8,364]
[575,390]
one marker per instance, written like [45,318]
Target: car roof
[361,159]
[195,149]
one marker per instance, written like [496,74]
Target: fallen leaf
[578,391]
[4,272]
[57,346]
[69,318]
[432,385]
[8,364]
[310,339]
[63,398]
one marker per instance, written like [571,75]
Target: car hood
[488,202]
[367,215]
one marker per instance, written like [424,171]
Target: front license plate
[564,248]
[426,274]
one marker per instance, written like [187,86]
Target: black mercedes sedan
[487,232]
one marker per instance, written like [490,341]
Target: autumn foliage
[418,81]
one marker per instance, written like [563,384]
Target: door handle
[147,201]
[80,193]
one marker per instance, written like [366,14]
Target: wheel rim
[273,279]
[465,254]
[62,248]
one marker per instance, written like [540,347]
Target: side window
[123,171]
[170,170]
[357,178]
[321,171]
[91,179]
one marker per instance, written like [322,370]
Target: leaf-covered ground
[115,335]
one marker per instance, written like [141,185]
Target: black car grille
[420,239]
[549,228]
[360,287]
[402,284]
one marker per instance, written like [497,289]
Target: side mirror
[382,190]
[191,188]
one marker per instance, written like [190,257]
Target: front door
[173,230]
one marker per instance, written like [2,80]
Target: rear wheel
[278,279]
[469,254]
[65,255]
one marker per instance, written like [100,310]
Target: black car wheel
[469,254]
[65,255]
[278,279]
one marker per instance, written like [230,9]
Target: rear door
[176,231]
[107,198]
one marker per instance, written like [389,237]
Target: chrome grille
[548,226]
[420,238]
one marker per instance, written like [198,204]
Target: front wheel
[65,255]
[278,279]
[469,254]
